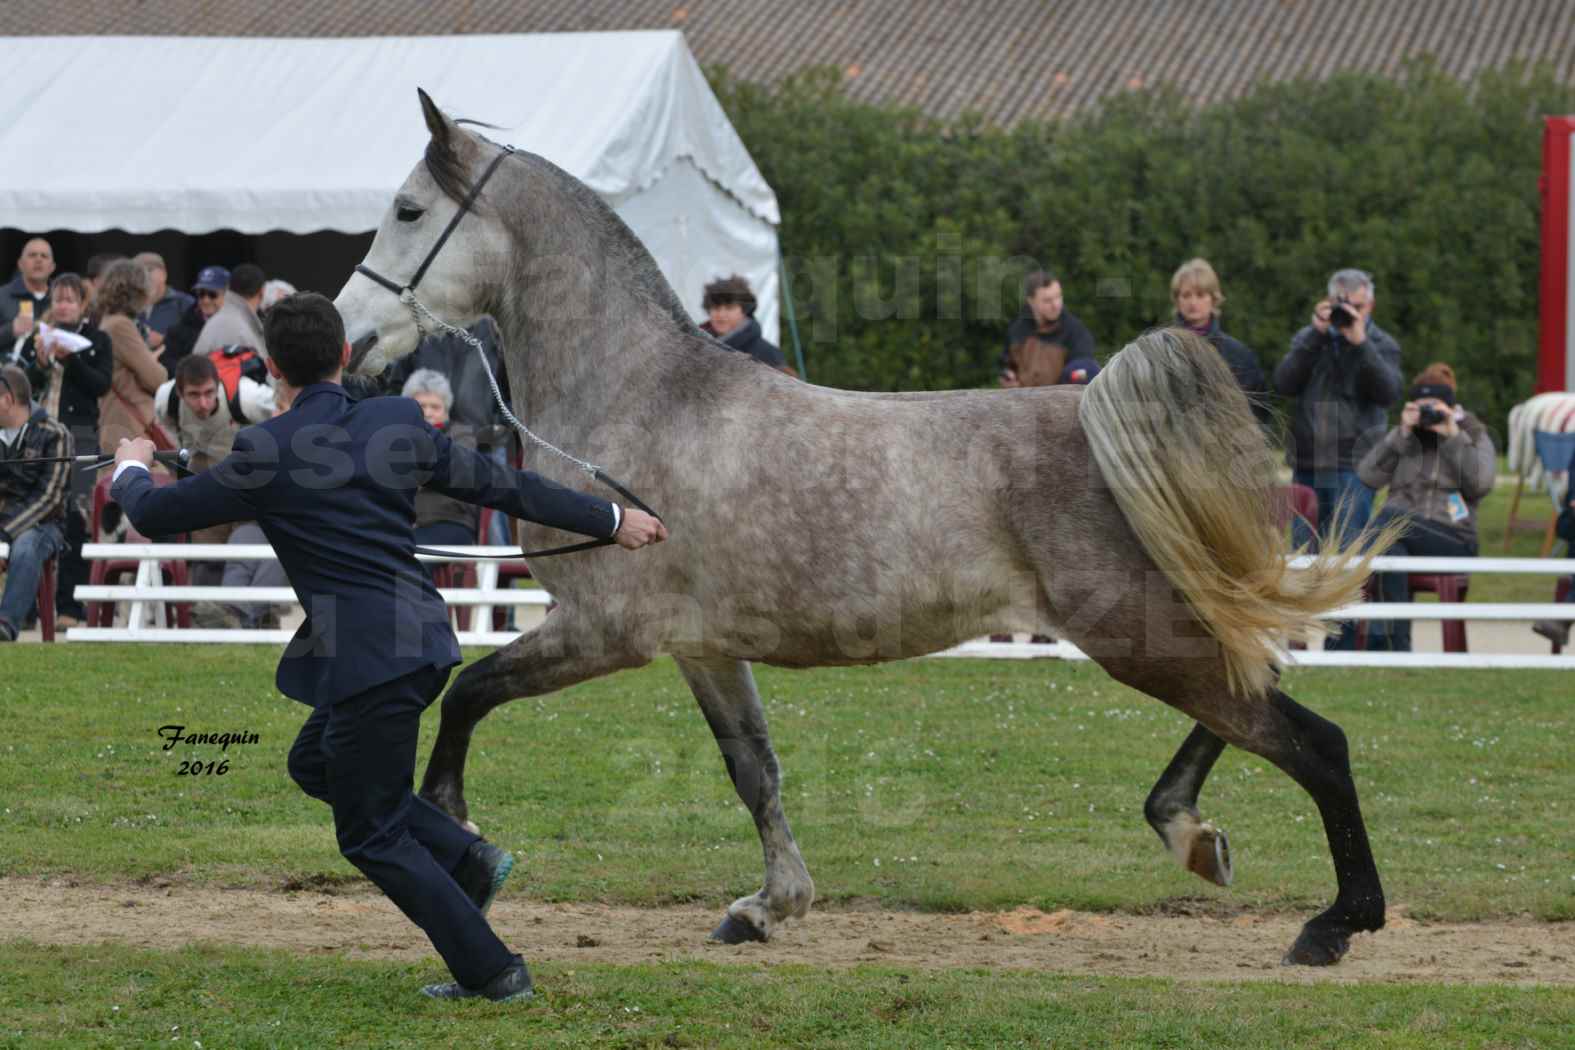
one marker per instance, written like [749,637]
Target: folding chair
[45,596]
[119,570]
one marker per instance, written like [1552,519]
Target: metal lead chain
[418,309]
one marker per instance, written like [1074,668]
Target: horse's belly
[819,626]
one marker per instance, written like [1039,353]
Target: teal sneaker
[482,872]
[512,985]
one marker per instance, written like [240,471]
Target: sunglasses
[208,293]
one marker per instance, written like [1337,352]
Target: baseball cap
[213,278]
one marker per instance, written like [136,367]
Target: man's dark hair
[728,291]
[16,381]
[305,337]
[247,279]
[97,264]
[1037,280]
[194,369]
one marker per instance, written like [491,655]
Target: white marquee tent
[301,135]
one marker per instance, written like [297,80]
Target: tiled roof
[1006,59]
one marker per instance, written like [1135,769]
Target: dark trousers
[1423,539]
[359,756]
[73,570]
[1335,488]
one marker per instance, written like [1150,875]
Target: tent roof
[257,134]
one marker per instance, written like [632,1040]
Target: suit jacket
[332,482]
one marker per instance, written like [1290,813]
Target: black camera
[1428,416]
[1341,315]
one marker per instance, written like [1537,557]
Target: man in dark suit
[332,482]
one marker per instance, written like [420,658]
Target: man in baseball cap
[210,287]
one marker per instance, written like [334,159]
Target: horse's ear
[437,123]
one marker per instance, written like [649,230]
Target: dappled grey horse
[816,527]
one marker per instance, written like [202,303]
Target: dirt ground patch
[358,923]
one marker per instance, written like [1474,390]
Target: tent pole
[787,300]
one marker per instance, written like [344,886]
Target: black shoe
[7,631]
[482,872]
[506,987]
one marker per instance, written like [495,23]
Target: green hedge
[905,237]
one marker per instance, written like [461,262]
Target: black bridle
[410,290]
[465,206]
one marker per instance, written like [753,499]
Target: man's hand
[155,339]
[21,326]
[1410,415]
[135,450]
[635,530]
[1009,379]
[1320,316]
[1355,333]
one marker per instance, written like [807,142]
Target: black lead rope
[179,460]
[570,548]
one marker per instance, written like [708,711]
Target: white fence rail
[149,592]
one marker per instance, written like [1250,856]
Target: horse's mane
[453,176]
[444,164]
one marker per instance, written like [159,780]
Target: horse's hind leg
[1313,751]
[1172,809]
[542,661]
[726,691]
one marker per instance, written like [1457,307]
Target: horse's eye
[408,214]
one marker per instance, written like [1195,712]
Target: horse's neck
[579,372]
[586,350]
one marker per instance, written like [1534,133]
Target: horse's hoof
[1209,856]
[1317,948]
[734,930]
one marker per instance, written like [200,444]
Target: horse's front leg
[563,651]
[726,691]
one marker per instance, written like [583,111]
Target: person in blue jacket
[332,483]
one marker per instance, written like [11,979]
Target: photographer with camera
[1439,464]
[1344,372]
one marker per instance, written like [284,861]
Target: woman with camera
[1438,464]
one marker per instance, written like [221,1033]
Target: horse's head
[380,327]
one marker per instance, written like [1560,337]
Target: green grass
[110,996]
[973,784]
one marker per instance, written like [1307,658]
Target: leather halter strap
[465,206]
[468,203]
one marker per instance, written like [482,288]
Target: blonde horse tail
[1194,475]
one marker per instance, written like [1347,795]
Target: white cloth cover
[253,134]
